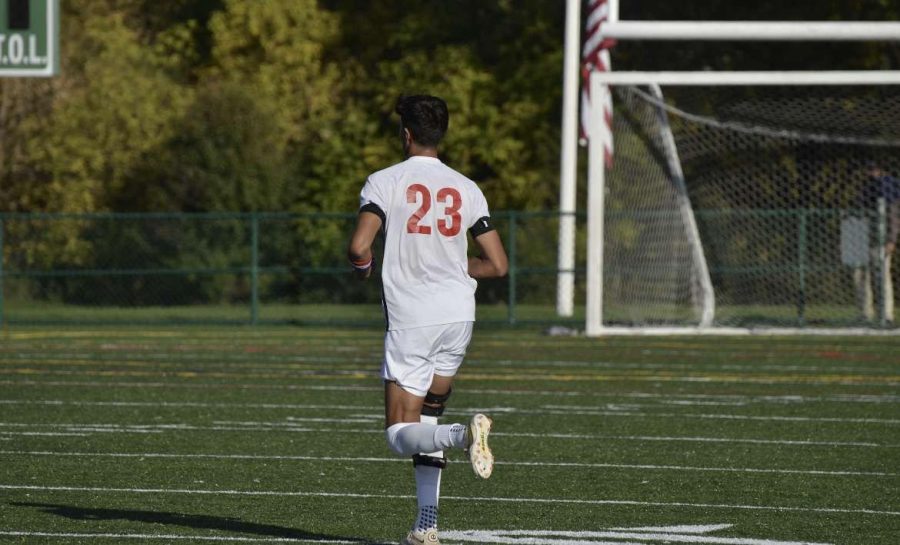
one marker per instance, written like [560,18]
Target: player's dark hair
[426,118]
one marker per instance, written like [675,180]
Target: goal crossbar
[867,31]
[799,77]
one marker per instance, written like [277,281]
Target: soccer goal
[744,201]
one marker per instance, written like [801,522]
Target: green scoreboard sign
[29,38]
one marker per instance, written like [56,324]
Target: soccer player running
[424,208]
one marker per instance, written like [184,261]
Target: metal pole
[613,11]
[2,283]
[254,268]
[755,77]
[596,190]
[804,31]
[698,257]
[882,272]
[565,287]
[513,265]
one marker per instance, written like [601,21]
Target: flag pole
[565,288]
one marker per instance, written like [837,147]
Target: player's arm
[492,261]
[360,250]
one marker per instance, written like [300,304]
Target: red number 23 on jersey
[449,225]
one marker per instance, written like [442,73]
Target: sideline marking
[403,460]
[664,534]
[278,493]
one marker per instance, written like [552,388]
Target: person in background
[865,249]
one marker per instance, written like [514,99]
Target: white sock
[427,518]
[407,438]
[428,488]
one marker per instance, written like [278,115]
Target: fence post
[254,268]
[511,275]
[2,283]
[801,265]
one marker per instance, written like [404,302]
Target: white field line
[698,439]
[192,385]
[671,398]
[42,434]
[484,537]
[279,493]
[187,404]
[170,537]
[593,411]
[618,410]
[635,536]
[369,373]
[725,398]
[257,360]
[519,364]
[580,465]
[281,427]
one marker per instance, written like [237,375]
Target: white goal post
[802,31]
[694,30]
[597,197]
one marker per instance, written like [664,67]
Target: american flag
[595,56]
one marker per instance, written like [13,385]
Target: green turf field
[273,435]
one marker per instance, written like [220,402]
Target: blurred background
[201,160]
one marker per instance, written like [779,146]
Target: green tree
[226,156]
[121,105]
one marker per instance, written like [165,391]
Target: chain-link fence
[232,268]
[758,205]
[267,268]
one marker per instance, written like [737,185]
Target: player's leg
[409,375]
[454,343]
[408,371]
[862,281]
[406,434]
[449,351]
[428,466]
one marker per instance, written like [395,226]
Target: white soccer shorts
[413,356]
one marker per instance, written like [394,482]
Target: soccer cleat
[428,537]
[477,445]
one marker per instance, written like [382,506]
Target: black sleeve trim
[375,209]
[482,226]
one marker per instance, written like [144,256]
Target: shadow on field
[206,522]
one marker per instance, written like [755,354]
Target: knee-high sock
[428,488]
[407,438]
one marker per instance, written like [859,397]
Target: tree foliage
[238,105]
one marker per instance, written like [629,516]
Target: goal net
[751,206]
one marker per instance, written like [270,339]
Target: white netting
[782,187]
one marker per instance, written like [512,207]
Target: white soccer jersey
[426,207]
